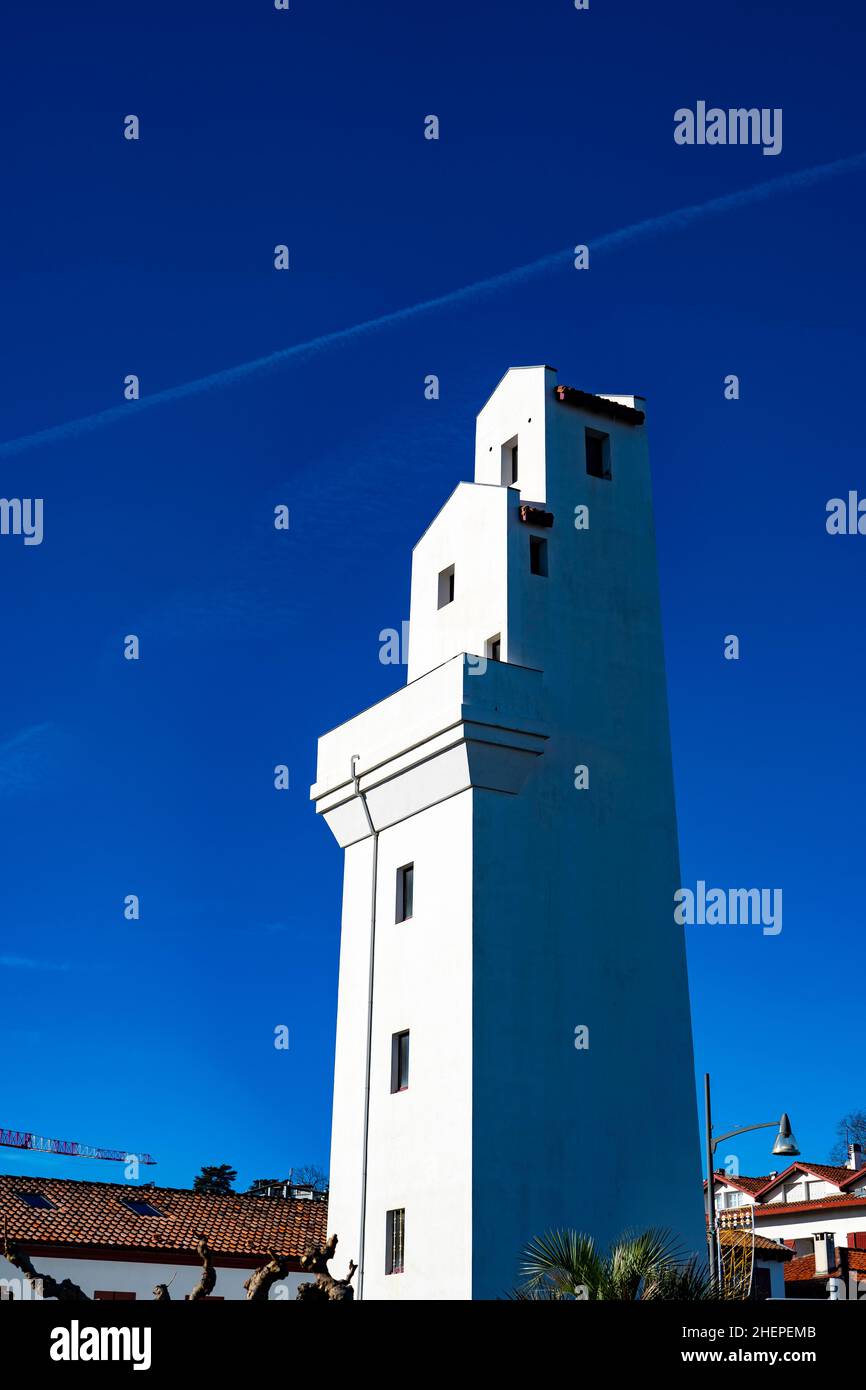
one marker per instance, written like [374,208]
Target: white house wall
[138,1277]
[801,1189]
[801,1225]
[777,1223]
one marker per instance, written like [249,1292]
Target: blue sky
[156,257]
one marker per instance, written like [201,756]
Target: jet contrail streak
[609,241]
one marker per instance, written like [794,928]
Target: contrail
[519,275]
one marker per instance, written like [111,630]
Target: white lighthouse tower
[514,1049]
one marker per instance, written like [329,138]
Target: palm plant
[566,1265]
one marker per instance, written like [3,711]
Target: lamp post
[785,1146]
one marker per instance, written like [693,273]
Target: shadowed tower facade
[514,1047]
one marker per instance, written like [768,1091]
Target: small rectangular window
[509,462]
[405,892]
[395,1240]
[537,555]
[446,587]
[400,1062]
[35,1200]
[597,454]
[494,648]
[139,1207]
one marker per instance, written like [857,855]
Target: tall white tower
[514,1049]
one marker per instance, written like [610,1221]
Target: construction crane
[37,1143]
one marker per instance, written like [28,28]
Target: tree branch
[43,1285]
[326,1287]
[207,1281]
[259,1284]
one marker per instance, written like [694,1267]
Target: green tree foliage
[216,1179]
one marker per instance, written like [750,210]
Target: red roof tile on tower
[599,405]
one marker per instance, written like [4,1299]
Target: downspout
[375,835]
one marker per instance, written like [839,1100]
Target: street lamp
[785,1146]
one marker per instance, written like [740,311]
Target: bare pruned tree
[259,1284]
[326,1288]
[42,1284]
[851,1129]
[310,1175]
[205,1285]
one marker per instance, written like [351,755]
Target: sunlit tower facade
[514,1049]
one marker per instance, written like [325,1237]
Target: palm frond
[564,1263]
[644,1265]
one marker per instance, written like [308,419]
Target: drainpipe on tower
[375,836]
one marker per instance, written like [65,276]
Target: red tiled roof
[597,405]
[739,1235]
[803,1267]
[818,1170]
[841,1200]
[829,1172]
[844,1178]
[91,1213]
[750,1185]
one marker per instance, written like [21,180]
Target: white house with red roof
[818,1210]
[117,1241]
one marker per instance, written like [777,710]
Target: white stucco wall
[801,1189]
[741,1199]
[518,407]
[470,534]
[138,1277]
[573,921]
[419,1139]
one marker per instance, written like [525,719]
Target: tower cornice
[468,723]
